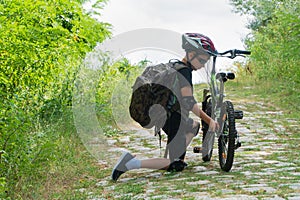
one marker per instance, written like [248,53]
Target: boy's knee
[193,126]
[195,129]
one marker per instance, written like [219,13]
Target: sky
[213,18]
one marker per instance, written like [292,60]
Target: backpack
[156,88]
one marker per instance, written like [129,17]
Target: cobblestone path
[267,166]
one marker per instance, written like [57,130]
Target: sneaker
[177,166]
[120,167]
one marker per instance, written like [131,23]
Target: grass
[276,94]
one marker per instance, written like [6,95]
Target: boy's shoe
[177,166]
[120,167]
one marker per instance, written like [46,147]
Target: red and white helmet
[198,42]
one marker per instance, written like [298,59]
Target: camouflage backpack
[157,85]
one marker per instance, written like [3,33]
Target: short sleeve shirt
[186,78]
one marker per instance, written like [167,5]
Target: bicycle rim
[226,141]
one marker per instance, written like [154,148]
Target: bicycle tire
[226,141]
[207,146]
[207,154]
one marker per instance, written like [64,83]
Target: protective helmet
[198,42]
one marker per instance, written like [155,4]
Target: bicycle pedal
[238,145]
[197,150]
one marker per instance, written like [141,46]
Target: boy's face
[198,60]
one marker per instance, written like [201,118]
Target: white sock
[133,164]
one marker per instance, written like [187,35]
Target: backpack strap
[157,131]
[180,65]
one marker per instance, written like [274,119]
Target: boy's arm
[187,92]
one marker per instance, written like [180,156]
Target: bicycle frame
[216,89]
[217,95]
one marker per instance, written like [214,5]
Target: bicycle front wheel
[226,140]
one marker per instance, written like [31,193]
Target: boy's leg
[155,163]
[176,143]
[192,133]
[128,162]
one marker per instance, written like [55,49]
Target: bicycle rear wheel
[226,141]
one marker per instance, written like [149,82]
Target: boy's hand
[214,126]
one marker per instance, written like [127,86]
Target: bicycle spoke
[225,149]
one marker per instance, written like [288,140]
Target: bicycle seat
[224,76]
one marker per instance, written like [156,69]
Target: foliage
[112,76]
[274,43]
[276,47]
[261,11]
[42,45]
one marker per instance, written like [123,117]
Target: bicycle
[221,111]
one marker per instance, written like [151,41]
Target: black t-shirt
[186,78]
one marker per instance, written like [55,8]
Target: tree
[260,12]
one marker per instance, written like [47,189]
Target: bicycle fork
[238,114]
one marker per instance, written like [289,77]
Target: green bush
[42,44]
[275,48]
[274,43]
[114,79]
[274,39]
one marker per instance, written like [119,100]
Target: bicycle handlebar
[235,52]
[242,52]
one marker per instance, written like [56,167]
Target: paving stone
[201,182]
[297,197]
[238,197]
[259,187]
[102,183]
[199,168]
[247,173]
[111,142]
[270,173]
[253,164]
[295,186]
[209,172]
[286,178]
[200,196]
[161,197]
[274,198]
[154,175]
[284,164]
[227,191]
[296,173]
[271,161]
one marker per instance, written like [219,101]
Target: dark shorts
[176,127]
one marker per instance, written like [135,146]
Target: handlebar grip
[242,52]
